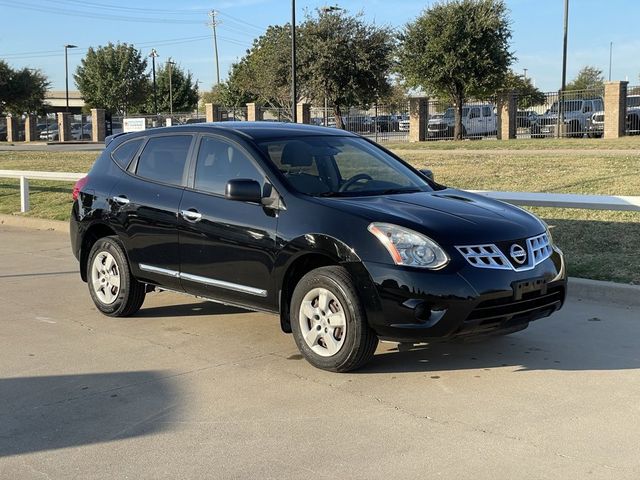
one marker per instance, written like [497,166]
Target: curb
[606,292]
[35,223]
[580,288]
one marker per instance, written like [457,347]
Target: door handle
[120,200]
[191,215]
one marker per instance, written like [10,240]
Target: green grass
[598,244]
[624,143]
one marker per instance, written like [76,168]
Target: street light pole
[153,56]
[171,64]
[610,57]
[66,72]
[294,93]
[564,44]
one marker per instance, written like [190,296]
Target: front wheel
[115,292]
[328,322]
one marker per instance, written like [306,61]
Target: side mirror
[427,173]
[243,190]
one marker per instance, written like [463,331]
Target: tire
[341,348]
[107,265]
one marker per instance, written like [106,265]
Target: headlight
[409,248]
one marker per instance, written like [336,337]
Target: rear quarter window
[124,153]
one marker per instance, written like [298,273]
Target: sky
[33,32]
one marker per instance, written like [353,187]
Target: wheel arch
[94,233]
[302,255]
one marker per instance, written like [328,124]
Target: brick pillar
[30,130]
[506,121]
[418,119]
[98,126]
[12,129]
[254,112]
[615,109]
[64,126]
[212,112]
[304,113]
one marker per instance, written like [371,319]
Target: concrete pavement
[190,389]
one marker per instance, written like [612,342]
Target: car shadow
[603,348]
[189,310]
[60,411]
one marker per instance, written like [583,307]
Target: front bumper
[412,305]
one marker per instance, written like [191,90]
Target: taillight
[78,186]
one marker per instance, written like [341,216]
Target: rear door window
[164,158]
[124,153]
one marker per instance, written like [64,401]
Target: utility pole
[610,57]
[66,72]
[294,93]
[213,24]
[171,64]
[153,56]
[525,73]
[564,44]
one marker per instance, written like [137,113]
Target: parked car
[359,123]
[576,116]
[50,134]
[524,118]
[478,120]
[385,123]
[280,218]
[595,127]
[81,132]
[404,123]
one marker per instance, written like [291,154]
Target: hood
[449,216]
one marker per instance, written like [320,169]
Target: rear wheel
[328,322]
[115,292]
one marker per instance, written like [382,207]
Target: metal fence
[569,114]
[3,129]
[382,123]
[479,120]
[632,125]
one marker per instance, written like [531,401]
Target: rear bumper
[412,305]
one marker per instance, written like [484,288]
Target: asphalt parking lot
[188,389]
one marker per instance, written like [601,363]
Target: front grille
[547,120]
[538,249]
[532,305]
[485,256]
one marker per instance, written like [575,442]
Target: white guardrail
[532,199]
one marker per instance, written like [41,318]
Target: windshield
[331,166]
[569,106]
[450,113]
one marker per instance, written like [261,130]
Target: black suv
[336,235]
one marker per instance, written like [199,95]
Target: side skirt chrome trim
[204,280]
[161,271]
[220,302]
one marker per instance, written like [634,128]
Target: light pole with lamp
[66,72]
[294,93]
[325,10]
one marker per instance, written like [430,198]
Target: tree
[113,77]
[344,60]
[397,98]
[588,78]
[21,91]
[183,90]
[457,49]
[226,94]
[528,95]
[264,73]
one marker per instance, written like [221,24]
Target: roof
[259,130]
